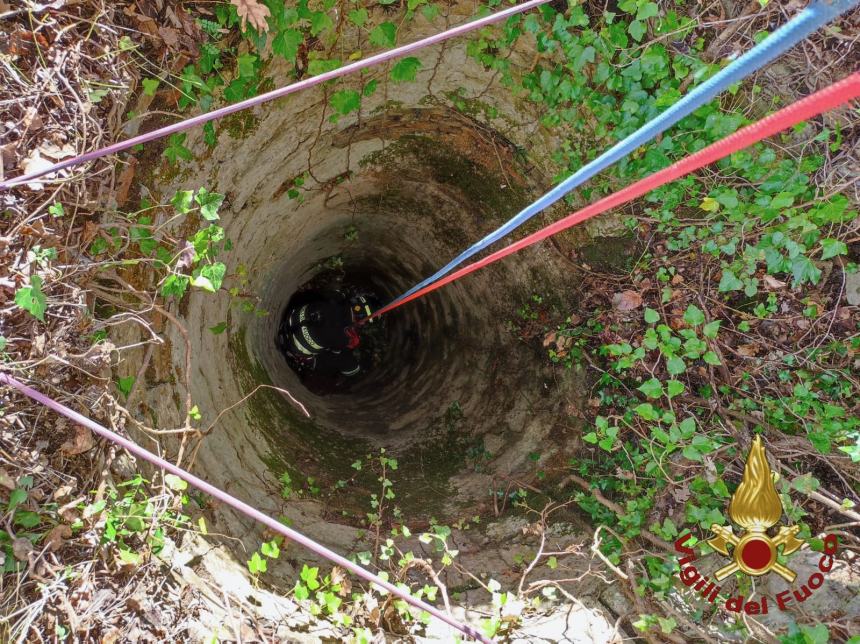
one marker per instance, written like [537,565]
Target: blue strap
[806,22]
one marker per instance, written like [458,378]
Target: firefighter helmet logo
[755,506]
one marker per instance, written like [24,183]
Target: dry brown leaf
[627,300]
[21,548]
[56,152]
[62,492]
[748,350]
[125,179]
[57,537]
[112,637]
[169,36]
[772,282]
[32,120]
[35,163]
[186,255]
[82,442]
[91,229]
[339,577]
[148,25]
[254,12]
[7,155]
[7,481]
[680,494]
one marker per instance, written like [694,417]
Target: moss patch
[610,254]
[419,157]
[296,444]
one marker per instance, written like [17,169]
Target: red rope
[826,99]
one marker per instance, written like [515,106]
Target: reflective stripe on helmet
[306,334]
[352,372]
[301,348]
[305,343]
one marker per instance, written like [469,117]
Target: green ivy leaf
[320,22]
[711,329]
[301,592]
[320,66]
[219,328]
[129,557]
[175,483]
[175,149]
[405,69]
[693,315]
[675,365]
[209,203]
[647,411]
[647,10]
[805,483]
[729,282]
[271,549]
[286,44]
[150,85]
[820,441]
[430,12]
[384,35]
[16,498]
[585,56]
[209,277]
[256,564]
[125,385]
[345,101]
[637,30]
[246,65]
[56,210]
[803,270]
[711,358]
[782,200]
[651,388]
[692,453]
[210,138]
[32,299]
[709,204]
[182,201]
[175,285]
[309,576]
[370,88]
[651,316]
[358,17]
[674,388]
[832,248]
[687,427]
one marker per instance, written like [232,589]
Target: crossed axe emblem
[754,552]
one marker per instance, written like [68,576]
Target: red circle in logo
[756,554]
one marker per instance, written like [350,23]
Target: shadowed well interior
[394,220]
[390,195]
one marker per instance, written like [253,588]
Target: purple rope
[277,93]
[241,506]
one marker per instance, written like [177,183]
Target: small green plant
[32,299]
[135,520]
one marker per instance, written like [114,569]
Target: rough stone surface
[418,180]
[852,288]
